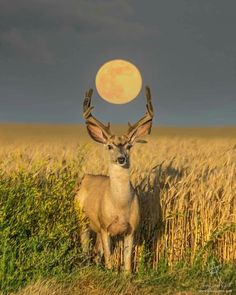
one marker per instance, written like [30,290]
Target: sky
[50,51]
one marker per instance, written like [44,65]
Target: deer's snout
[121,160]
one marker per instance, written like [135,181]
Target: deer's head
[118,146]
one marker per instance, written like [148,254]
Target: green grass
[38,227]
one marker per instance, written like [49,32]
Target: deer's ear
[96,133]
[141,131]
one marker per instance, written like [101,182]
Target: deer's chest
[115,217]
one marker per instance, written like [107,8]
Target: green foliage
[38,227]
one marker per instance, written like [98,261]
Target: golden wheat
[186,187]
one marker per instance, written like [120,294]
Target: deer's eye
[129,146]
[110,147]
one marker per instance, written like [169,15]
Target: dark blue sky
[50,51]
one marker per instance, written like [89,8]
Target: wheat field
[185,181]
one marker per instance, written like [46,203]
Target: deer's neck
[120,185]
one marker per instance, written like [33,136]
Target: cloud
[214,25]
[29,46]
[31,26]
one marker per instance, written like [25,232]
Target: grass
[186,241]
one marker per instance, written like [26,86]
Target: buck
[109,203]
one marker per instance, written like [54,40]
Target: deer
[109,203]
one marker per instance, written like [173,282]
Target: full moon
[118,81]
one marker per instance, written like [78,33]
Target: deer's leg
[106,244]
[85,238]
[98,249]
[128,247]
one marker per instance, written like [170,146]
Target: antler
[147,118]
[90,119]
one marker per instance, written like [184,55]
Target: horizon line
[13,123]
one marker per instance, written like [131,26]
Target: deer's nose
[121,160]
